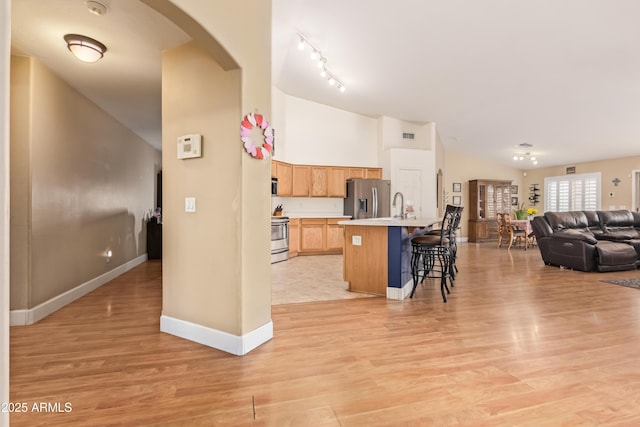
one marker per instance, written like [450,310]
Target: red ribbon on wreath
[249,122]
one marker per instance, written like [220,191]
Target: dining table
[525,225]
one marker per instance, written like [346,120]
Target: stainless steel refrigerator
[367,198]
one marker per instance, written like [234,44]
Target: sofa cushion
[615,256]
[618,225]
[576,234]
[566,220]
[620,218]
[593,222]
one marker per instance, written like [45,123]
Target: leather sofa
[589,240]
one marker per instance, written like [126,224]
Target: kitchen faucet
[403,215]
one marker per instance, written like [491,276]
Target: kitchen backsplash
[305,206]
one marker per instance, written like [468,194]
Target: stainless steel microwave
[274,186]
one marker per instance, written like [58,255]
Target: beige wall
[83,185]
[610,169]
[202,263]
[229,286]
[5,37]
[462,168]
[20,211]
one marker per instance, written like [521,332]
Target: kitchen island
[377,254]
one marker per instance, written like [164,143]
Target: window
[572,193]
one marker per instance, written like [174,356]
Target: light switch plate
[356,240]
[189,204]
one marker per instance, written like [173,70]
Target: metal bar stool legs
[434,262]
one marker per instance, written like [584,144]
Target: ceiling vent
[407,135]
[525,145]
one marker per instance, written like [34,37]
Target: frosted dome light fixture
[85,48]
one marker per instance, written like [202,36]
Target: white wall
[309,206]
[391,130]
[399,162]
[317,134]
[5,35]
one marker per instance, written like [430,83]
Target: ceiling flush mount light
[521,155]
[85,48]
[321,62]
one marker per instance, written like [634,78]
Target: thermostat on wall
[189,146]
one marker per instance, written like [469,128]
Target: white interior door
[635,190]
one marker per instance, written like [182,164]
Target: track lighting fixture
[522,156]
[321,62]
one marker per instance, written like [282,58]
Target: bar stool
[457,210]
[431,255]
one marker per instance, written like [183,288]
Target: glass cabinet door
[482,201]
[506,198]
[491,206]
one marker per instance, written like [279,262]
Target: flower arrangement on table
[520,211]
[532,211]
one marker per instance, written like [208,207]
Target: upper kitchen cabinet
[355,173]
[337,182]
[319,181]
[284,173]
[300,181]
[373,173]
[328,181]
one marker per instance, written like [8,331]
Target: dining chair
[506,230]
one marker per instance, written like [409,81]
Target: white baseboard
[238,345]
[400,293]
[39,312]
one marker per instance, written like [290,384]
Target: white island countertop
[393,222]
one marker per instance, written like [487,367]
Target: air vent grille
[407,135]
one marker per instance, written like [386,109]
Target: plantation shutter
[572,193]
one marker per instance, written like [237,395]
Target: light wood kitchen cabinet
[284,173]
[335,235]
[319,181]
[294,236]
[355,173]
[318,236]
[337,182]
[486,199]
[300,181]
[373,173]
[313,235]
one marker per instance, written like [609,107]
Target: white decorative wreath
[249,121]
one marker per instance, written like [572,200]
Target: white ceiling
[563,76]
[127,81]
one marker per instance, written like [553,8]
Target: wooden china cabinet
[487,197]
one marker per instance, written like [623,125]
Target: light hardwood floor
[518,343]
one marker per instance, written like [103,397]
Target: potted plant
[520,212]
[531,212]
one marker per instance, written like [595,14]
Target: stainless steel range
[279,238]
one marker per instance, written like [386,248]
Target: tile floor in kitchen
[310,278]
